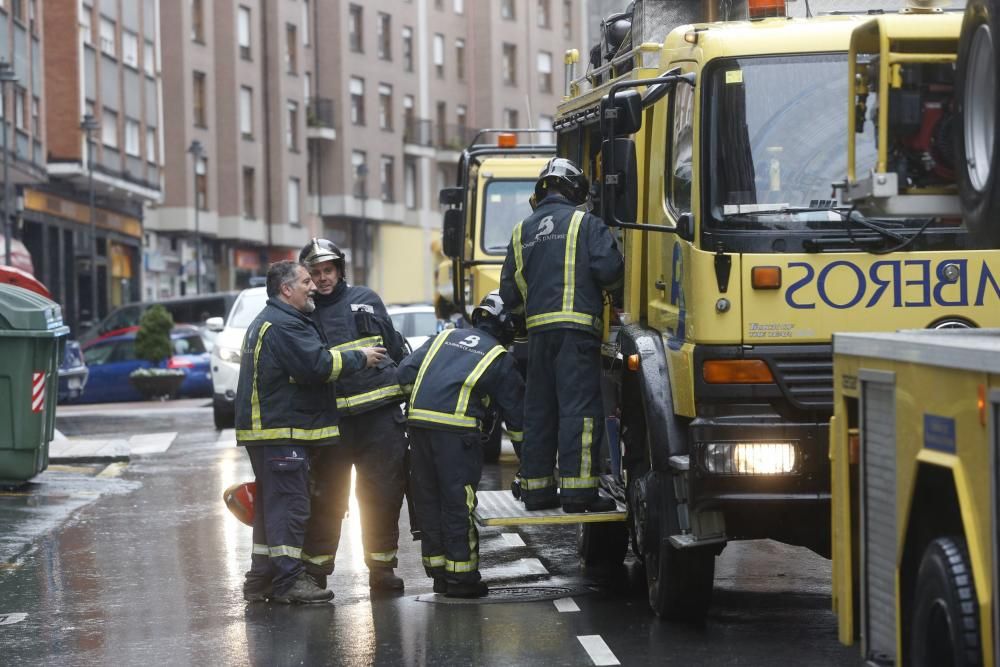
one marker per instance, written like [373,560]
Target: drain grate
[502,594]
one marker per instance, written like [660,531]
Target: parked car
[112,358]
[226,352]
[416,322]
[185,310]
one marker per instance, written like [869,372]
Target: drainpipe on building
[265,62]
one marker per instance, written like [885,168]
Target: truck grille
[806,378]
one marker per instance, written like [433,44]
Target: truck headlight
[228,354]
[750,458]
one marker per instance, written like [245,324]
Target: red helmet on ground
[239,498]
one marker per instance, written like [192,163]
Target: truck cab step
[500,508]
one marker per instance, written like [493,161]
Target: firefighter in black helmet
[559,263]
[372,430]
[450,380]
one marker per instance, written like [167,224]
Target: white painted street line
[112,470]
[565,605]
[151,443]
[512,540]
[598,650]
[11,619]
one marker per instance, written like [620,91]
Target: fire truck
[718,154]
[914,439]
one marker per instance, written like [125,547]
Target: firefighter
[450,380]
[559,262]
[372,426]
[286,407]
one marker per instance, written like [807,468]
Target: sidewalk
[84,450]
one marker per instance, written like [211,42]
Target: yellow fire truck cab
[720,160]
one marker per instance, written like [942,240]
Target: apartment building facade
[237,76]
[100,65]
[413,80]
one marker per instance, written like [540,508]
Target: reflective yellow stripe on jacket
[522,286]
[380,394]
[287,433]
[370,341]
[255,395]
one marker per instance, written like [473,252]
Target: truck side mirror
[453,232]
[620,192]
[626,111]
[451,196]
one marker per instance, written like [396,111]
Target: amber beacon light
[762,9]
[765,277]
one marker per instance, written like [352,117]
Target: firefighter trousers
[281,513]
[445,467]
[562,415]
[374,443]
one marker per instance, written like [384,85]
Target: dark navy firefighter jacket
[285,394]
[453,377]
[558,262]
[353,317]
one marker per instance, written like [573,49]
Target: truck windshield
[778,141]
[505,203]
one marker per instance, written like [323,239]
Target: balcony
[319,119]
[418,132]
[426,133]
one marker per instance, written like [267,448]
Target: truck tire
[680,581]
[602,545]
[977,122]
[945,624]
[223,416]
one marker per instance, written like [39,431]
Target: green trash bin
[32,338]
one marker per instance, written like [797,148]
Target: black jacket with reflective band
[558,262]
[352,317]
[285,394]
[453,376]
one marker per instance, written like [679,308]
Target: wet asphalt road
[142,564]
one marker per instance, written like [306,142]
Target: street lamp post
[197,150]
[90,125]
[7,75]
[362,173]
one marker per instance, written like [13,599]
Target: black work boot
[304,591]
[467,590]
[543,503]
[596,504]
[318,579]
[383,579]
[257,590]
[440,585]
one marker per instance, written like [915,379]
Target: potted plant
[152,344]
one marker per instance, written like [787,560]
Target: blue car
[110,360]
[72,373]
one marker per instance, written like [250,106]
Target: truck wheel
[602,545]
[945,626]
[977,122]
[223,417]
[491,448]
[679,580]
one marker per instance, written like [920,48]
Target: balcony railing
[419,131]
[424,132]
[319,112]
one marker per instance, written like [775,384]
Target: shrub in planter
[152,344]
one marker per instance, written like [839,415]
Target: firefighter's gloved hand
[373,355]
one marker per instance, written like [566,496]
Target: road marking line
[151,443]
[512,540]
[113,470]
[565,605]
[11,619]
[598,650]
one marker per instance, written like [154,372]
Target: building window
[246,112]
[359,159]
[151,144]
[149,58]
[462,120]
[507,9]
[385,106]
[292,132]
[386,178]
[200,117]
[201,183]
[249,194]
[357,101]
[132,137]
[108,44]
[460,59]
[355,28]
[306,40]
[198,21]
[408,49]
[292,49]
[408,118]
[544,14]
[510,118]
[509,64]
[384,36]
[293,201]
[130,49]
[438,4]
[17,9]
[459,6]
[20,108]
[86,29]
[568,19]
[544,72]
[109,128]
[36,123]
[410,182]
[439,55]
[545,124]
[243,32]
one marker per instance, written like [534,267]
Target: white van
[226,353]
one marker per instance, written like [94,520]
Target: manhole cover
[500,594]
